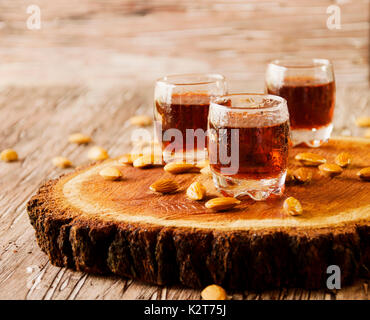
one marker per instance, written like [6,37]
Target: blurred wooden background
[93,64]
[93,41]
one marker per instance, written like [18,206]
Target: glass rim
[175,79]
[214,102]
[301,63]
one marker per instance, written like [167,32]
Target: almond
[196,191]
[202,164]
[147,160]
[61,162]
[97,153]
[364,174]
[222,203]
[289,179]
[363,122]
[310,159]
[178,167]
[79,138]
[367,133]
[293,206]
[125,159]
[141,120]
[9,155]
[330,169]
[110,173]
[164,186]
[213,292]
[303,175]
[143,161]
[343,159]
[135,155]
[206,171]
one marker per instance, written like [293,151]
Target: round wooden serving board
[85,222]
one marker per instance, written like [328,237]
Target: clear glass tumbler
[309,88]
[248,144]
[181,105]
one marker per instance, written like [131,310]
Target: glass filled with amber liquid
[309,88]
[181,105]
[248,144]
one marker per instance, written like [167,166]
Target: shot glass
[181,105]
[309,88]
[248,144]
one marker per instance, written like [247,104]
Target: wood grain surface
[85,222]
[328,202]
[92,65]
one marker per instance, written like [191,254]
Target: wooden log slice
[120,227]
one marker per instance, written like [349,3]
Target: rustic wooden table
[92,65]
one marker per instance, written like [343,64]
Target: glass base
[311,137]
[188,157]
[256,189]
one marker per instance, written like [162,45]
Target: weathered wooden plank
[170,38]
[39,167]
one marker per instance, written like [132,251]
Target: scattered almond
[147,160]
[364,174]
[79,138]
[363,122]
[125,159]
[367,133]
[222,203]
[293,206]
[141,120]
[61,162]
[164,186]
[206,171]
[110,173]
[310,159]
[9,155]
[343,159]
[135,155]
[196,191]
[178,167]
[143,161]
[289,179]
[97,153]
[303,175]
[213,292]
[330,169]
[202,164]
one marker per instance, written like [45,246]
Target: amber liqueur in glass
[262,151]
[310,102]
[184,111]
